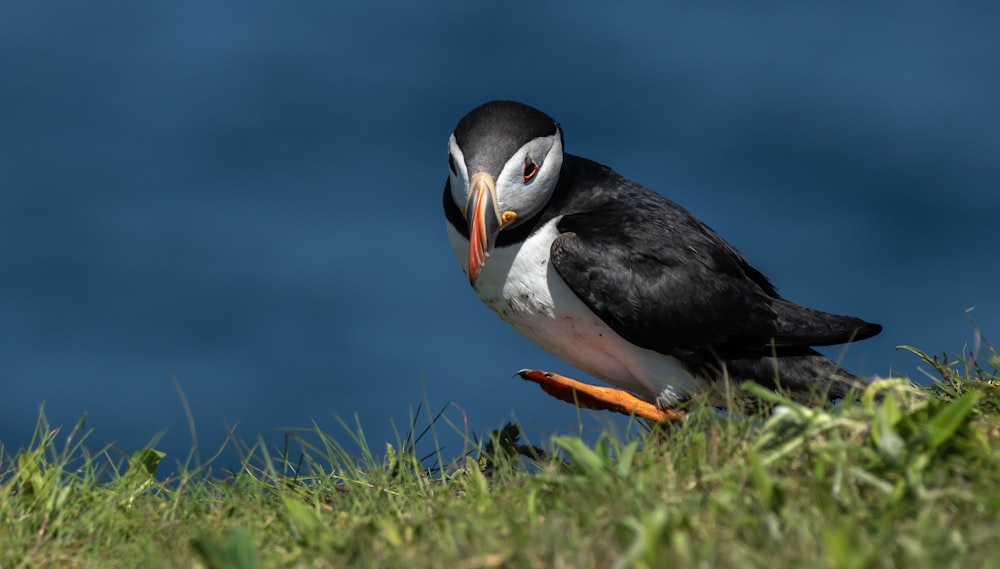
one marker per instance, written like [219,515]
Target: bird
[621,282]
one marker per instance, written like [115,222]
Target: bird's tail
[803,374]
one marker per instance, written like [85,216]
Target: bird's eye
[530,169]
[451,164]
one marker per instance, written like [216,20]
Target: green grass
[902,477]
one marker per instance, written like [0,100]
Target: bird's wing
[664,281]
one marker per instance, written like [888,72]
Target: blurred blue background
[245,196]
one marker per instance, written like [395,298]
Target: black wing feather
[665,281]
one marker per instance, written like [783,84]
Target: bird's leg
[600,398]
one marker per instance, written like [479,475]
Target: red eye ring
[530,169]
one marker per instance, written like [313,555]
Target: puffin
[620,282]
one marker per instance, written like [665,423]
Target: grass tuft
[900,476]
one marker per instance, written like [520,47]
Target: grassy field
[902,477]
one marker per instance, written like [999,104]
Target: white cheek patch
[460,178]
[525,198]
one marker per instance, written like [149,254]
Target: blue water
[244,197]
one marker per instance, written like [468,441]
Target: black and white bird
[617,280]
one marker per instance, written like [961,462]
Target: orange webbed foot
[598,398]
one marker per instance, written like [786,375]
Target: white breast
[520,285]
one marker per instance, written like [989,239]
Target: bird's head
[504,160]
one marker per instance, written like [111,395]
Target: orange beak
[483,216]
